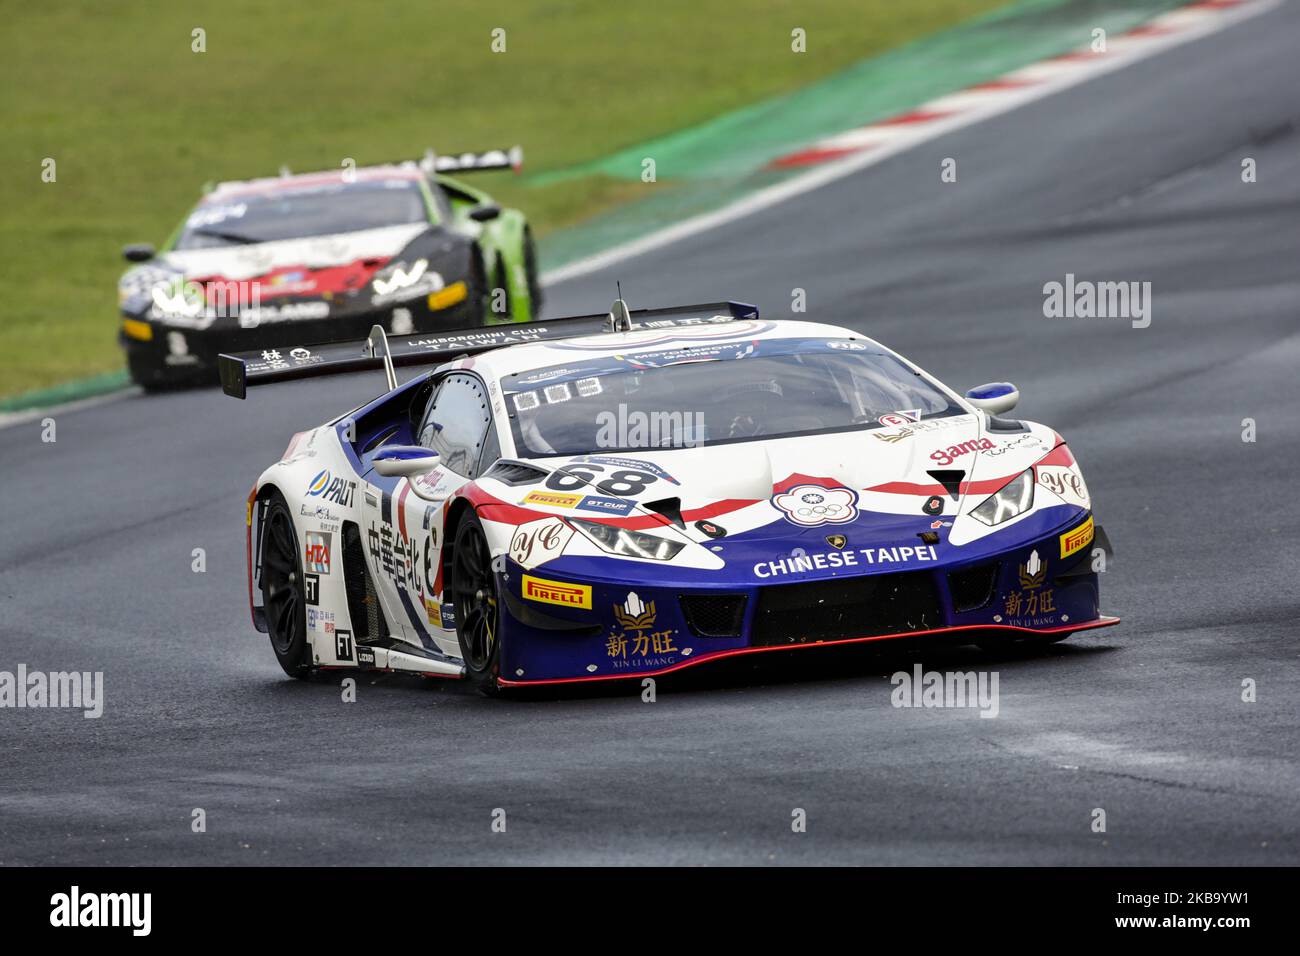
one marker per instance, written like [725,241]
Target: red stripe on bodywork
[799,479]
[1060,455]
[985,486]
[739,651]
[493,508]
[248,550]
[401,510]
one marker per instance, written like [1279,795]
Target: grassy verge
[136,121]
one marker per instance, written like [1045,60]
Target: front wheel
[283,594]
[478,614]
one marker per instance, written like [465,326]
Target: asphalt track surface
[1135,175]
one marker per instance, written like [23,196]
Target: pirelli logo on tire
[1076,538]
[555,592]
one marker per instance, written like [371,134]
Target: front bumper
[566,630]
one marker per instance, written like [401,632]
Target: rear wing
[289,362]
[429,163]
[512,158]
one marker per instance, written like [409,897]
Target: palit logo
[337,490]
[1033,572]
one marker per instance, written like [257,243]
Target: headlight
[399,276]
[1013,499]
[630,544]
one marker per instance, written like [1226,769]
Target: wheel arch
[455,515]
[257,504]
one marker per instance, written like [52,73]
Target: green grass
[137,122]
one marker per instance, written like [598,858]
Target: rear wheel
[534,277]
[479,286]
[150,374]
[478,616]
[283,594]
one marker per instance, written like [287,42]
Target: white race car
[625,495]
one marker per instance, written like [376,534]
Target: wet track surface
[1134,176]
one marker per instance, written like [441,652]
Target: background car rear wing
[286,363]
[512,158]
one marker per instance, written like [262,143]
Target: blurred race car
[323,257]
[604,497]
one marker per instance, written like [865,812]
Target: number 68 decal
[621,483]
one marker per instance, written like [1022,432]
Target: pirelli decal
[1077,538]
[555,499]
[555,592]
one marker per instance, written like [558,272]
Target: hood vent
[511,472]
[670,508]
[951,481]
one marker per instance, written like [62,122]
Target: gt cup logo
[337,490]
[812,505]
[317,558]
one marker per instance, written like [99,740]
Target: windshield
[761,390]
[309,211]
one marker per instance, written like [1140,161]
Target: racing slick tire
[534,277]
[151,375]
[479,288]
[283,593]
[474,595]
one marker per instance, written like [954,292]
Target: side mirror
[994,398]
[485,213]
[138,252]
[405,461]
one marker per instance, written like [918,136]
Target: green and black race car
[262,263]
